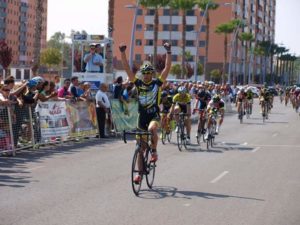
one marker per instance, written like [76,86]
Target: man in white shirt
[102,108]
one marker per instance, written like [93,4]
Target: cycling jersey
[167,104]
[265,94]
[249,95]
[182,99]
[148,95]
[203,98]
[217,105]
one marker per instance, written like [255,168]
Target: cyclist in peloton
[265,95]
[166,103]
[240,98]
[182,103]
[249,97]
[203,97]
[148,91]
[216,105]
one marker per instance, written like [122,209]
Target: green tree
[184,6]
[210,5]
[176,70]
[39,10]
[216,75]
[51,57]
[225,29]
[156,5]
[200,69]
[247,38]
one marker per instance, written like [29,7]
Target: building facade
[258,15]
[17,28]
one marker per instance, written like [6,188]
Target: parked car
[255,91]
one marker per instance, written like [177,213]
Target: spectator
[99,51]
[63,92]
[118,87]
[57,82]
[93,60]
[80,88]
[102,108]
[87,95]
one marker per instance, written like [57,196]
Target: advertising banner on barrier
[124,116]
[53,119]
[82,118]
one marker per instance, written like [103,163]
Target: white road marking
[219,177]
[275,135]
[35,168]
[255,150]
[245,144]
[187,205]
[281,146]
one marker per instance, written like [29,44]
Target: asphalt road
[251,177]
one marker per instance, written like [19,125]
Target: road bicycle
[181,132]
[241,112]
[141,162]
[212,129]
[201,126]
[166,131]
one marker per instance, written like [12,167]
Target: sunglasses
[145,73]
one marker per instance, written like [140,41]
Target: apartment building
[258,15]
[17,24]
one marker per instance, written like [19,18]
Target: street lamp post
[136,7]
[197,40]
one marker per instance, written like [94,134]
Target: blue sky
[64,15]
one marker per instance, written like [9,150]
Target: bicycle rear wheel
[169,136]
[150,169]
[136,187]
[163,136]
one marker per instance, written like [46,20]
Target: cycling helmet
[181,89]
[147,68]
[38,79]
[31,83]
[164,94]
[216,98]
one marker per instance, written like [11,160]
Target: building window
[174,42]
[18,74]
[138,42]
[174,58]
[140,12]
[166,27]
[139,27]
[174,27]
[189,43]
[201,59]
[190,12]
[149,42]
[189,28]
[150,12]
[175,12]
[202,44]
[166,12]
[26,74]
[203,28]
[149,27]
[138,57]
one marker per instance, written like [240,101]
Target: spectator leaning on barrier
[118,87]
[102,108]
[87,95]
[57,82]
[64,92]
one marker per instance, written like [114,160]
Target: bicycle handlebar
[138,133]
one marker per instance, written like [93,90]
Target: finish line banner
[124,115]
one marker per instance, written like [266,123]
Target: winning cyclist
[182,103]
[148,91]
[216,105]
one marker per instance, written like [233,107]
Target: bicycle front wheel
[136,186]
[179,141]
[150,169]
[169,136]
[163,136]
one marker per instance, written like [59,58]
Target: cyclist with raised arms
[182,103]
[148,91]
[216,105]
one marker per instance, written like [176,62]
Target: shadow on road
[172,192]
[14,170]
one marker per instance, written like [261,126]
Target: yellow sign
[97,37]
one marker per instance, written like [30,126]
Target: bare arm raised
[167,68]
[131,75]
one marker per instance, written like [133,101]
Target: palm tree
[183,5]
[225,28]
[156,4]
[109,54]
[210,5]
[39,9]
[247,38]
[279,51]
